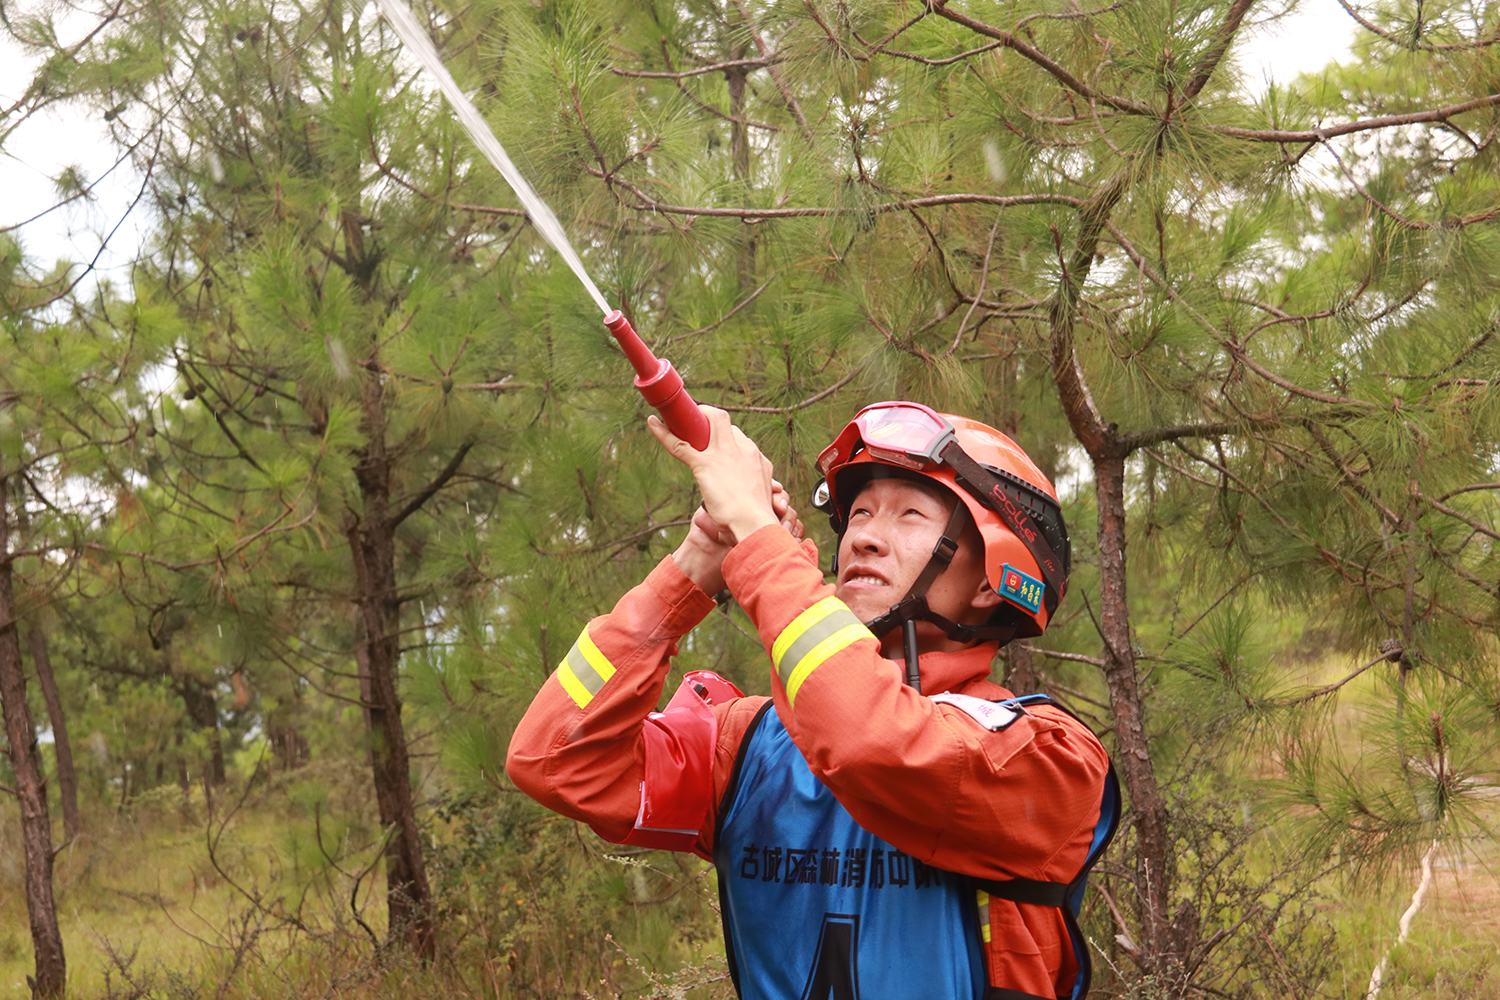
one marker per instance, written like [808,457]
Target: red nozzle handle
[659,382]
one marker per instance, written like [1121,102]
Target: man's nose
[867,536]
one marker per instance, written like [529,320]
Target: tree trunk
[737,78]
[203,709]
[1155,868]
[67,778]
[1162,946]
[1020,661]
[372,546]
[1020,669]
[288,746]
[25,762]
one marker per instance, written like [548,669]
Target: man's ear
[985,597]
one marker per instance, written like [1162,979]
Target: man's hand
[732,474]
[701,554]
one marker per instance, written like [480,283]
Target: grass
[1452,951]
[140,889]
[147,913]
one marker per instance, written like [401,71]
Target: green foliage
[1293,340]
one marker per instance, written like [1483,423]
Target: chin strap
[913,607]
[909,641]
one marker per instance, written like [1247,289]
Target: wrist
[704,569]
[743,527]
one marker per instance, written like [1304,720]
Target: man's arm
[929,778]
[581,748]
[577,750]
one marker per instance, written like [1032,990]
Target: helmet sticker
[1021,587]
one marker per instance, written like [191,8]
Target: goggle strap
[1005,500]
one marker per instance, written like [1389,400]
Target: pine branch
[881,49]
[1035,55]
[1070,657]
[751,215]
[1324,691]
[1413,44]
[809,401]
[984,274]
[1469,489]
[765,53]
[1162,435]
[1351,479]
[431,489]
[1400,219]
[715,68]
[1443,508]
[1224,36]
[923,60]
[40,88]
[667,58]
[1439,115]
[1236,349]
[727,316]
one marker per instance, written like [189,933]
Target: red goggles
[905,434]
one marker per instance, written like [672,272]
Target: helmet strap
[913,607]
[943,552]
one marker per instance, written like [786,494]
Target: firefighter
[890,822]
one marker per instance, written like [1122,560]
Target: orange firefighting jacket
[927,777]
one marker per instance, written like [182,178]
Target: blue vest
[815,906]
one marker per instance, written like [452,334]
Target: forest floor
[149,912]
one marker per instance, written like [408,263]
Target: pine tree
[1256,327]
[59,386]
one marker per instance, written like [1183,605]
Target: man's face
[894,524]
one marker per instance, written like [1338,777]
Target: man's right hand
[701,554]
[733,476]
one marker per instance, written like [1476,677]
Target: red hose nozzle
[659,382]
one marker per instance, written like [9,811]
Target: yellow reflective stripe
[574,686]
[812,637]
[984,915]
[801,624]
[822,651]
[584,670]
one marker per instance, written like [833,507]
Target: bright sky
[36,153]
[39,150]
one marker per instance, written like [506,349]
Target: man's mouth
[866,578]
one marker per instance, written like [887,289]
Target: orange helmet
[1027,555]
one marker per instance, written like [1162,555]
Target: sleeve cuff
[686,603]
[765,557]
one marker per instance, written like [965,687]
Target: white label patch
[990,714]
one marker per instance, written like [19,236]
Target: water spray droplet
[339,356]
[994,160]
[405,24]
